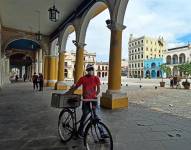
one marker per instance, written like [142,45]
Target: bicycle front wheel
[66,125]
[98,137]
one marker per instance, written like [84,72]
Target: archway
[101,49]
[147,74]
[175,59]
[182,58]
[153,65]
[153,74]
[159,73]
[23,55]
[168,59]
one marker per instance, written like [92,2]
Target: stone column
[40,61]
[45,70]
[52,70]
[60,85]
[79,63]
[36,62]
[113,98]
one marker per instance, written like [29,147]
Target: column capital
[62,52]
[78,44]
[114,25]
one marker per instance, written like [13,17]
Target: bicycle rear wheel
[98,137]
[65,125]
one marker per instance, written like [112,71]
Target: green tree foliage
[166,69]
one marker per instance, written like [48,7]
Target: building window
[135,43]
[141,64]
[135,56]
[138,65]
[135,65]
[138,56]
[147,57]
[142,48]
[151,49]
[65,64]
[138,49]
[141,55]
[132,65]
[141,41]
[138,42]
[147,49]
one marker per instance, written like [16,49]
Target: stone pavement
[27,122]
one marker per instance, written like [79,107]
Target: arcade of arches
[21,53]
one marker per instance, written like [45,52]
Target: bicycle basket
[65,101]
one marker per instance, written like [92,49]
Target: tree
[185,68]
[165,69]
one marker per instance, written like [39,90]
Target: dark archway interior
[19,58]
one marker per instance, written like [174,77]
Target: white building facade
[70,58]
[102,69]
[176,56]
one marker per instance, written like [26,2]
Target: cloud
[168,18]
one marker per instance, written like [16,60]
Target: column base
[45,83]
[78,91]
[61,86]
[51,83]
[114,100]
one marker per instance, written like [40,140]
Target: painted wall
[152,68]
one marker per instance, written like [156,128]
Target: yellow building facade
[143,48]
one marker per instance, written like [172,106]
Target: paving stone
[27,121]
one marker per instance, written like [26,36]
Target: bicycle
[67,128]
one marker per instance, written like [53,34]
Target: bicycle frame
[91,118]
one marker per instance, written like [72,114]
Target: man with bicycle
[91,88]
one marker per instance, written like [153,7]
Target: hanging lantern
[38,36]
[53,14]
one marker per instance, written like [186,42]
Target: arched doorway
[23,65]
[159,74]
[153,74]
[175,59]
[23,54]
[168,59]
[182,58]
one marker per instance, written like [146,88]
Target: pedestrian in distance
[35,82]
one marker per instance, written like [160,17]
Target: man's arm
[75,86]
[72,89]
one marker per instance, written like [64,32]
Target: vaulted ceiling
[23,15]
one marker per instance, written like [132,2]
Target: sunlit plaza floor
[157,119]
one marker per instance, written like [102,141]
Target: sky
[168,18]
